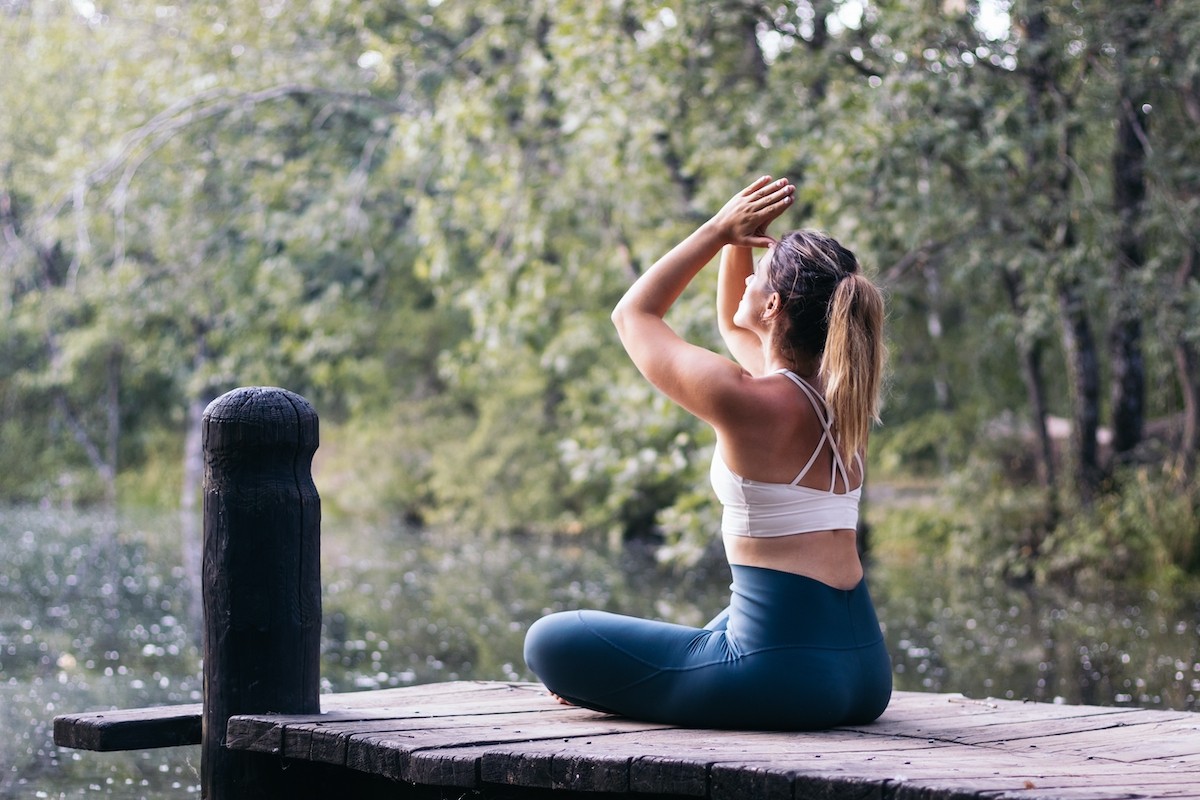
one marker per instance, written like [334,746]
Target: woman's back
[790,439]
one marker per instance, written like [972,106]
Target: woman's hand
[744,219]
[706,384]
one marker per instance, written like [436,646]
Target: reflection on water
[93,615]
[1127,648]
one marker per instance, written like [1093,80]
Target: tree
[420,215]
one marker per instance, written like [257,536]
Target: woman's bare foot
[559,699]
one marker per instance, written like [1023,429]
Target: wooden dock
[472,735]
[493,741]
[489,739]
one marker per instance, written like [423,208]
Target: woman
[799,647]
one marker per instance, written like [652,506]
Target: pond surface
[95,613]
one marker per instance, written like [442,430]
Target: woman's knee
[544,639]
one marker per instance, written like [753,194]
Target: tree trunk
[1083,370]
[1187,362]
[1030,354]
[102,451]
[191,544]
[1049,157]
[113,419]
[822,11]
[1129,195]
[933,325]
[1187,354]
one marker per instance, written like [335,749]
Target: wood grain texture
[129,729]
[261,574]
[486,736]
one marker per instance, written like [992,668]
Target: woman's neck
[805,367]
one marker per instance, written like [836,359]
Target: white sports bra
[762,509]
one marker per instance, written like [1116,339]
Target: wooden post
[261,576]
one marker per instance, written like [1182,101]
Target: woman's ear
[773,304]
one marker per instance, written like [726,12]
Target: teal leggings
[790,653]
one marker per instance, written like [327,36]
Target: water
[99,613]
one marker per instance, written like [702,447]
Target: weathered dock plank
[399,747]
[129,729]
[479,735]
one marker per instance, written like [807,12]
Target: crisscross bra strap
[826,417]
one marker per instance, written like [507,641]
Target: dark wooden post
[261,575]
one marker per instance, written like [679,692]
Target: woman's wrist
[716,232]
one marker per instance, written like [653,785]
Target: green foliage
[1149,528]
[419,215]
[924,446]
[983,524]
[928,531]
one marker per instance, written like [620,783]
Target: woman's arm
[737,264]
[698,379]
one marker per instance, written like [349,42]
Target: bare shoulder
[762,407]
[776,432]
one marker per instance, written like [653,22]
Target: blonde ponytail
[852,365]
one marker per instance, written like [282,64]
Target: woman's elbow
[619,315]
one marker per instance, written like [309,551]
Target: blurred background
[418,215]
